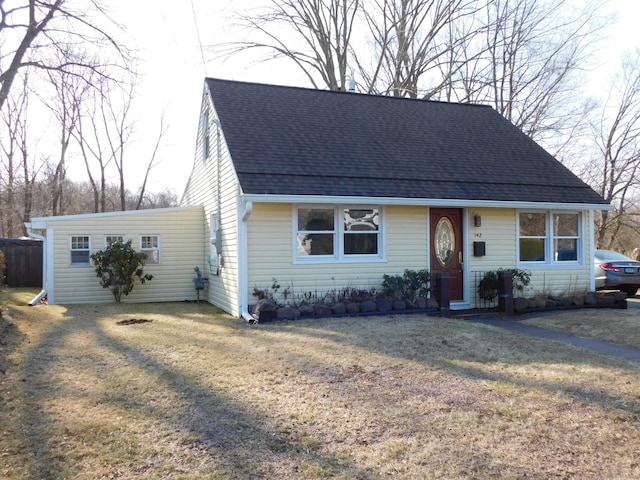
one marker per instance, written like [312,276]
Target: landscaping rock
[306,310]
[550,303]
[384,305]
[399,305]
[520,304]
[322,310]
[432,303]
[410,305]
[368,306]
[578,300]
[339,308]
[619,296]
[421,303]
[264,306]
[541,302]
[591,299]
[353,307]
[288,312]
[264,311]
[531,303]
[605,299]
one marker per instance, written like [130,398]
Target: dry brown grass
[196,394]
[615,326]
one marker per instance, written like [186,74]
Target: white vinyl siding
[182,232]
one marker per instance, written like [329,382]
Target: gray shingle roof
[296,141]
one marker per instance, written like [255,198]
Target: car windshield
[609,256]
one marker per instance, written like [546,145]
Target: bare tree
[118,126]
[152,161]
[526,58]
[65,106]
[614,171]
[315,35]
[54,35]
[17,172]
[411,39]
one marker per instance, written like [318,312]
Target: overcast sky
[173,72]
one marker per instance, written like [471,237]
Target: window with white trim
[109,239]
[150,244]
[549,237]
[338,233]
[80,250]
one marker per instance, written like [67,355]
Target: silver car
[615,271]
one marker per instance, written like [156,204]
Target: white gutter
[43,292]
[431,202]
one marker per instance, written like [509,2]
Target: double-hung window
[338,233]
[80,251]
[150,244]
[549,237]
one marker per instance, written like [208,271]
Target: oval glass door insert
[445,241]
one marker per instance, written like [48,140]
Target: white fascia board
[41,222]
[431,202]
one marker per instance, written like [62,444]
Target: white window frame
[110,238]
[338,232]
[150,251]
[74,247]
[550,238]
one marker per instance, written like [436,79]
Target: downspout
[592,247]
[243,262]
[43,292]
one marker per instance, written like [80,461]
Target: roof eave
[432,202]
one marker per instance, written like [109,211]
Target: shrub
[117,266]
[410,285]
[488,286]
[271,293]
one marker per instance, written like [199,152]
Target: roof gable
[296,141]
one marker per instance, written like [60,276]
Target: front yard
[196,394]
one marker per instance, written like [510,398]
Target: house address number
[477,235]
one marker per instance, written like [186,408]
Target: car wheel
[630,291]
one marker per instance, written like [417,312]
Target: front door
[446,247]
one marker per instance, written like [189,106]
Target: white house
[322,190]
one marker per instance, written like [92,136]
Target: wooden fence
[23,262]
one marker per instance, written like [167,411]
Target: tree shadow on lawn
[425,341]
[10,338]
[240,444]
[152,402]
